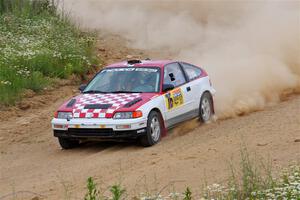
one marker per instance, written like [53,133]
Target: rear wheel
[154,129]
[206,108]
[66,143]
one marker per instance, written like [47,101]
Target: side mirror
[82,87]
[167,87]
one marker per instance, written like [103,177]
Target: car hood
[105,105]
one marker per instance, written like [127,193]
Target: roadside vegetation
[251,182]
[37,45]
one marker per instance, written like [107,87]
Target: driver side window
[173,75]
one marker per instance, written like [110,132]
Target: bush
[25,7]
[36,44]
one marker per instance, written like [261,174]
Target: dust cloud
[251,49]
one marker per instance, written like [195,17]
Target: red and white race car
[135,99]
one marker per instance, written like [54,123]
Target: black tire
[151,137]
[206,109]
[66,143]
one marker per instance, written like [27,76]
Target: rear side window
[191,71]
[173,75]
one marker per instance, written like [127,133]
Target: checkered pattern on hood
[116,100]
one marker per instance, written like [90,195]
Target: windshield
[123,80]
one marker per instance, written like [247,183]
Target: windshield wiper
[93,91]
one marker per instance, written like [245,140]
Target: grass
[93,193]
[36,45]
[117,192]
[252,181]
[187,194]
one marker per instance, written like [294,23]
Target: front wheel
[66,143]
[206,108]
[154,128]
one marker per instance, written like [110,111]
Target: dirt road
[32,161]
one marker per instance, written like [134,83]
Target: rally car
[135,99]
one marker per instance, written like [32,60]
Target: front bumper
[99,134]
[99,128]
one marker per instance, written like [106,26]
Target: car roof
[141,63]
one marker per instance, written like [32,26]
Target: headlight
[128,115]
[64,115]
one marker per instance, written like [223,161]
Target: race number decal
[174,98]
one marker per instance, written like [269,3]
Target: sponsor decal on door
[174,98]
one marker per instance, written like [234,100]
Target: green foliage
[187,194]
[117,192]
[286,187]
[254,176]
[25,7]
[255,182]
[92,193]
[36,44]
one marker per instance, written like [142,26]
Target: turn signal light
[128,115]
[137,114]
